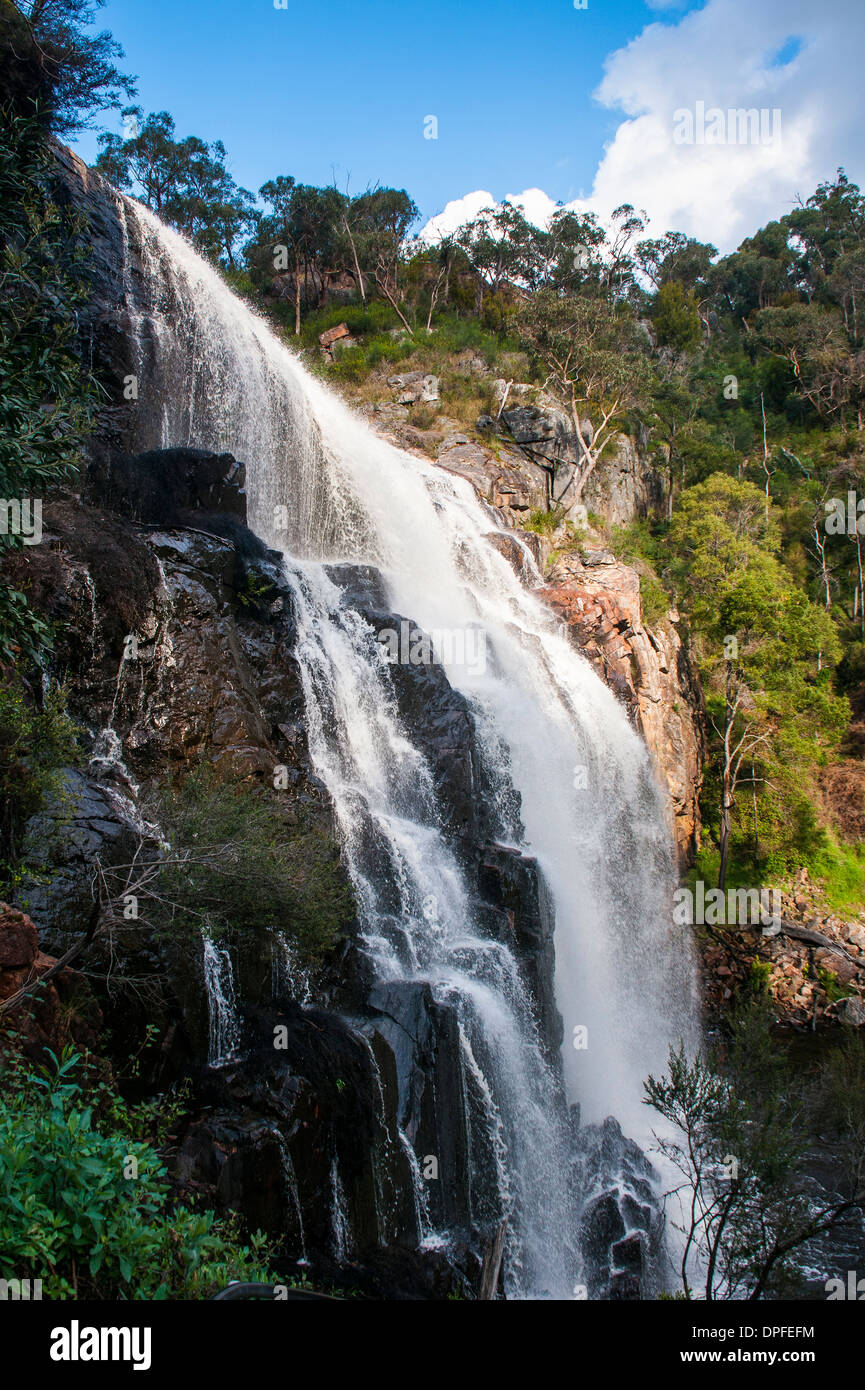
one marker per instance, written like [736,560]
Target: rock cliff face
[598,598]
[62,1010]
[621,486]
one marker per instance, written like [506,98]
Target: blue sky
[528,96]
[334,86]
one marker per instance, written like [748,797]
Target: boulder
[19,942]
[332,335]
[851,1011]
[411,387]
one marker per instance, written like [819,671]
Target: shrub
[86,1209]
[237,864]
[36,740]
[655,599]
[544,523]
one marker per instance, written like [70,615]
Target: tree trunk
[726,781]
[357,270]
[860,595]
[492,1264]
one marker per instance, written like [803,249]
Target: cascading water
[221,1003]
[323,488]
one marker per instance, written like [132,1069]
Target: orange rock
[19,942]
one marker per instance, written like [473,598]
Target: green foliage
[53,64]
[236,865]
[676,317]
[46,396]
[841,869]
[758,980]
[654,597]
[831,985]
[353,364]
[544,523]
[373,319]
[86,1208]
[767,654]
[37,738]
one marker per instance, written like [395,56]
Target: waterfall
[323,488]
[224,1036]
[340,1229]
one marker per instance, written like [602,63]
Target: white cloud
[456,214]
[536,205]
[724,55]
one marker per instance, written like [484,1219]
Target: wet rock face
[301,1136]
[437,716]
[106,336]
[170,487]
[82,824]
[621,1222]
[513,884]
[598,599]
[422,1038]
[303,1109]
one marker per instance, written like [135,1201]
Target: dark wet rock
[82,824]
[513,883]
[621,1221]
[170,487]
[296,1135]
[423,1037]
[436,714]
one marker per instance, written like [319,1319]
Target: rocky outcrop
[621,1222]
[621,487]
[411,387]
[598,600]
[816,980]
[57,1011]
[503,477]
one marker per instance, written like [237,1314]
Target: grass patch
[544,523]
